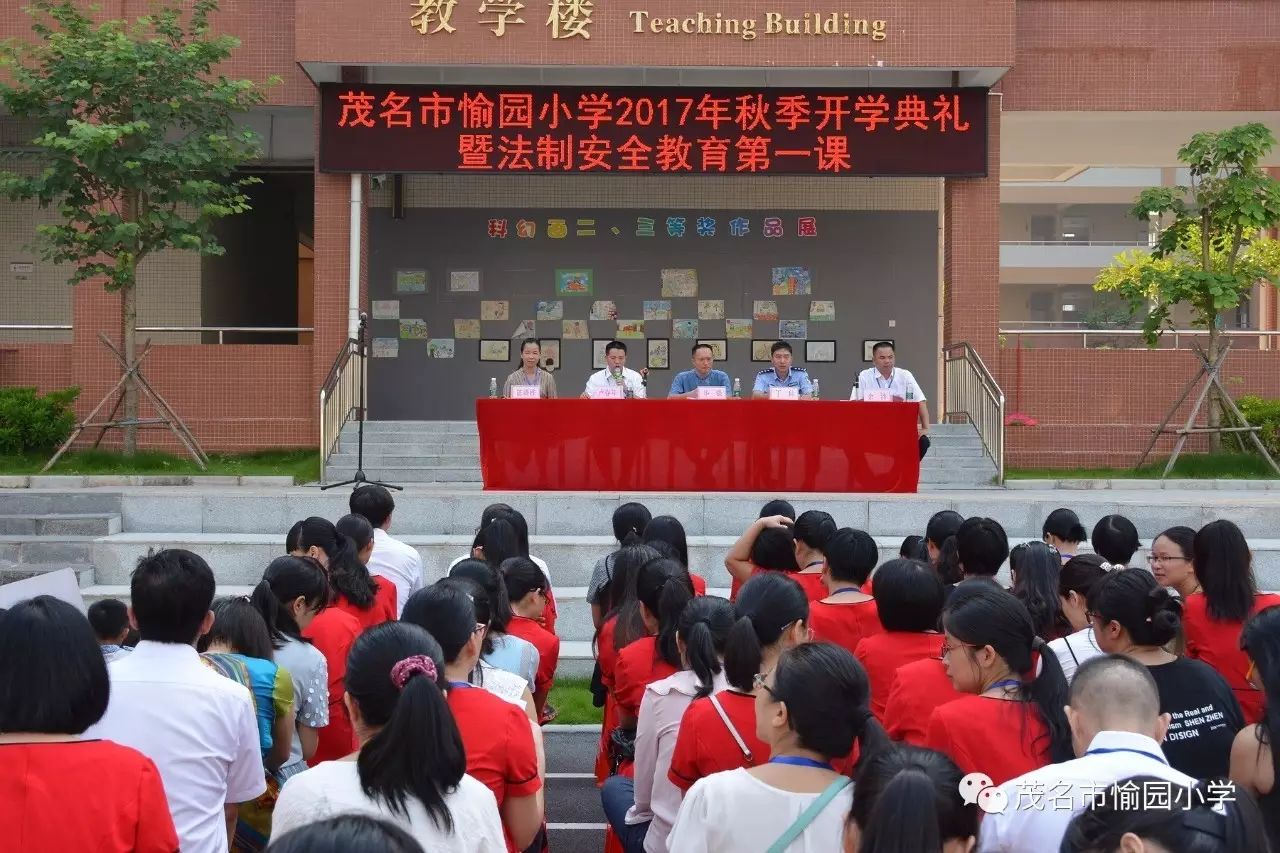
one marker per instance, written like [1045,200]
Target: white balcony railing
[1059,254]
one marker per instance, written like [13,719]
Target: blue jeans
[617,796]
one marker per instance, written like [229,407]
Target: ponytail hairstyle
[395,676]
[1224,567]
[986,615]
[941,532]
[851,555]
[1037,569]
[480,601]
[521,526]
[1202,823]
[500,541]
[320,533]
[349,576]
[664,588]
[1260,640]
[630,518]
[1116,539]
[668,529]
[815,529]
[618,595]
[238,624]
[490,512]
[490,580]
[774,549]
[522,576]
[1149,613]
[446,612]
[291,538]
[285,579]
[907,800]
[703,628]
[1065,525]
[826,692]
[767,605]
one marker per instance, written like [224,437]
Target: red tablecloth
[779,446]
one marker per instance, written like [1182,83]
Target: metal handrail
[1177,334]
[1134,243]
[339,398]
[34,327]
[972,391]
[266,330]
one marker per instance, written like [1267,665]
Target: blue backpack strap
[809,815]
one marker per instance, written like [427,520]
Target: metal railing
[1132,244]
[1013,336]
[971,391]
[222,330]
[340,398]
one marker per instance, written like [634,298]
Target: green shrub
[31,423]
[1265,414]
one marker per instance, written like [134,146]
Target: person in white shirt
[810,708]
[1076,581]
[1116,729]
[198,727]
[392,559]
[898,382]
[616,374]
[411,766]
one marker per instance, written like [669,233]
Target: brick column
[93,368]
[971,267]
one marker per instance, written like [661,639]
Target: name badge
[612,392]
[878,395]
[784,393]
[525,392]
[710,392]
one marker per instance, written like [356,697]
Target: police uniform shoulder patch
[798,370]
[766,370]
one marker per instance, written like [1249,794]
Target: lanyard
[878,379]
[1105,750]
[800,761]
[845,589]
[1008,682]
[460,684]
[814,563]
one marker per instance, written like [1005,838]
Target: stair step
[415,474]
[60,524]
[51,502]
[50,549]
[11,571]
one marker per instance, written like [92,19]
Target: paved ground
[572,800]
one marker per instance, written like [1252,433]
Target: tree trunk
[1216,403]
[129,343]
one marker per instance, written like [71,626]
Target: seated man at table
[782,374]
[616,374]
[687,382]
[898,383]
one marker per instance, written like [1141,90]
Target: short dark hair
[613,345]
[524,343]
[774,548]
[373,502]
[851,555]
[109,617]
[630,518]
[883,345]
[53,679]
[909,596]
[1064,524]
[778,506]
[779,345]
[171,592]
[707,347]
[1115,538]
[343,834]
[241,626]
[982,546]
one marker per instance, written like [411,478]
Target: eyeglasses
[758,681]
[948,648]
[480,626]
[1153,559]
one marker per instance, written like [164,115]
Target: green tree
[137,142]
[1211,251]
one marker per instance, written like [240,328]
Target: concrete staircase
[449,452]
[41,533]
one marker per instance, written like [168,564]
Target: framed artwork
[760,350]
[659,354]
[550,358]
[574,282]
[495,350]
[819,351]
[597,352]
[795,330]
[464,281]
[868,347]
[719,348]
[791,281]
[411,281]
[440,348]
[682,282]
[550,309]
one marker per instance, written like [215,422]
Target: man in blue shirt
[687,382]
[782,374]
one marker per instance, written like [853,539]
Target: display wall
[439,277]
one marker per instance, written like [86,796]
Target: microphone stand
[359,479]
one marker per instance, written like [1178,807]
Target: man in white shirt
[1116,728]
[391,559]
[616,374]
[901,386]
[199,727]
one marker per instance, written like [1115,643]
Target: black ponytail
[348,575]
[767,605]
[704,629]
[495,588]
[664,587]
[1150,614]
[941,531]
[447,612]
[417,751]
[907,800]
[827,692]
[522,576]
[285,579]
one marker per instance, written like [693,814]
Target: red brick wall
[45,366]
[971,259]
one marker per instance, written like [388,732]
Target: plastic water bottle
[815,389]
[493,387]
[737,388]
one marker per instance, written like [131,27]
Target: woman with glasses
[502,746]
[1011,720]
[1078,577]
[1171,560]
[527,590]
[1134,616]
[1213,618]
[1255,761]
[811,708]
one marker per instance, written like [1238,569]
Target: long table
[779,446]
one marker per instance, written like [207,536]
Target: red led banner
[629,130]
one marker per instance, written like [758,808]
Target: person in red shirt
[846,614]
[719,732]
[1011,720]
[663,588]
[503,749]
[371,600]
[909,599]
[58,792]
[527,590]
[766,545]
[1214,617]
[919,688]
[812,531]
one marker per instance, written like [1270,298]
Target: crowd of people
[832,701]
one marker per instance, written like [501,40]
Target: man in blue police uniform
[782,374]
[687,382]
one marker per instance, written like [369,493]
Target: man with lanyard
[899,383]
[616,374]
[687,382]
[782,374]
